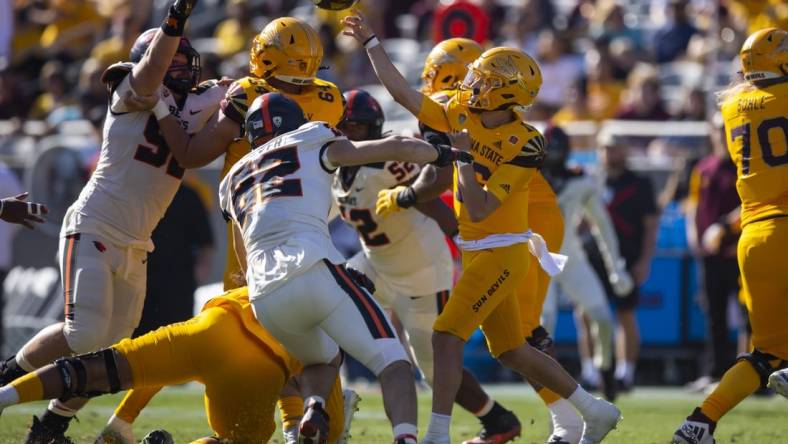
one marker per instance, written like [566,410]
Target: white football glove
[621,281]
[291,435]
[712,238]
[117,431]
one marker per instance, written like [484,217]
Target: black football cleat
[41,433]
[499,430]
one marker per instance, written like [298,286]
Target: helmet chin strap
[297,81]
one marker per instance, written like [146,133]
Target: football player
[278,197]
[15,210]
[242,366]
[446,67]
[756,125]
[105,236]
[580,200]
[405,254]
[493,233]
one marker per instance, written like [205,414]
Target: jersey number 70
[768,155]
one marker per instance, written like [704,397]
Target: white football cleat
[696,429]
[600,422]
[351,400]
[778,381]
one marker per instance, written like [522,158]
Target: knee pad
[74,376]
[389,351]
[760,361]
[540,339]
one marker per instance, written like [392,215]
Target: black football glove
[447,155]
[175,22]
[361,279]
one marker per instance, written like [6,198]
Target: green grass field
[650,416]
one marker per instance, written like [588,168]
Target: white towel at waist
[552,263]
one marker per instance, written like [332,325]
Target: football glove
[360,278]
[175,22]
[117,431]
[447,155]
[394,199]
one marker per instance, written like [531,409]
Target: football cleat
[555,439]
[503,428]
[696,429]
[566,429]
[313,428]
[158,437]
[778,381]
[600,422]
[608,385]
[351,400]
[117,431]
[40,433]
[405,439]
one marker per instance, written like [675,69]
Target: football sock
[8,396]
[548,396]
[582,401]
[488,405]
[291,409]
[737,383]
[496,411]
[58,410]
[588,371]
[404,429]
[28,387]
[438,429]
[22,361]
[134,401]
[566,421]
[625,371]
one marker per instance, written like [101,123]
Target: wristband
[371,42]
[161,110]
[173,24]
[407,198]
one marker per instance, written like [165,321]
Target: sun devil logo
[277,121]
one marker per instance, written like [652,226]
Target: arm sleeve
[508,179]
[433,114]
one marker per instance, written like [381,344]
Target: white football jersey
[136,177]
[407,249]
[280,196]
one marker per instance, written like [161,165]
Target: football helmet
[764,55]
[362,108]
[271,115]
[334,5]
[192,66]
[287,49]
[447,63]
[501,78]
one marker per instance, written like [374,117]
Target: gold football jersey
[756,127]
[505,160]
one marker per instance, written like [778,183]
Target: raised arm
[342,152]
[147,75]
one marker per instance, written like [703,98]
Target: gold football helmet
[501,78]
[447,64]
[764,55]
[287,49]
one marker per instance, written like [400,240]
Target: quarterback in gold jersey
[491,202]
[756,123]
[243,367]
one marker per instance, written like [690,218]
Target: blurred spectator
[752,15]
[528,20]
[26,43]
[55,91]
[73,26]
[609,24]
[694,106]
[604,90]
[6,32]
[9,186]
[623,56]
[235,33]
[560,67]
[124,31]
[580,17]
[13,104]
[180,262]
[631,203]
[576,107]
[671,41]
[643,101]
[92,93]
[713,203]
[211,66]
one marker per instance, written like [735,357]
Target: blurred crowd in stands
[600,58]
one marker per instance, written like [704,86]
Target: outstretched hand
[16,211]
[183,8]
[356,26]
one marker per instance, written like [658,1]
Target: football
[334,5]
